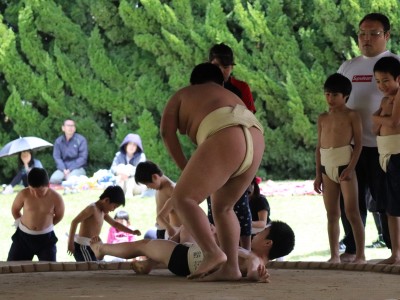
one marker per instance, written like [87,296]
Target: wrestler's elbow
[167,134]
[163,133]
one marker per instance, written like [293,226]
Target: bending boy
[91,220]
[230,146]
[274,241]
[149,174]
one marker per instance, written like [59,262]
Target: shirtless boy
[91,220]
[149,174]
[274,241]
[42,209]
[230,146]
[386,125]
[335,163]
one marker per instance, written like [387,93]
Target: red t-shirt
[246,95]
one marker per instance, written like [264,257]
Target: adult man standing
[70,153]
[373,35]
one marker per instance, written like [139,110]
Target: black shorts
[83,253]
[161,234]
[25,246]
[393,186]
[178,262]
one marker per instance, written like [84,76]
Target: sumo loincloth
[334,158]
[225,117]
[387,145]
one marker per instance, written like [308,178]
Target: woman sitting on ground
[25,163]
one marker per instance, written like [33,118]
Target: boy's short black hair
[381,18]
[145,170]
[115,193]
[388,64]
[282,237]
[38,177]
[338,83]
[206,72]
[222,52]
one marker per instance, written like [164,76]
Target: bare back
[162,195]
[38,212]
[194,104]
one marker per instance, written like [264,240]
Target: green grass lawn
[305,214]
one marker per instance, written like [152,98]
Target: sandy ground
[285,284]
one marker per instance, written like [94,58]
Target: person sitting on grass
[91,220]
[276,240]
[26,162]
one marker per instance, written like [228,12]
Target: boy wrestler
[149,174]
[386,125]
[335,163]
[230,146]
[42,209]
[274,241]
[91,220]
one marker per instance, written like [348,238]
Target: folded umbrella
[24,144]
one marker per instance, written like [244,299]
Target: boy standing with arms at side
[336,161]
[386,125]
[149,174]
[42,209]
[91,219]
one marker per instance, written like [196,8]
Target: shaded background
[112,66]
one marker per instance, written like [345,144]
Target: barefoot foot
[224,273]
[359,261]
[390,261]
[347,257]
[209,264]
[335,260]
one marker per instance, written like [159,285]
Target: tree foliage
[112,65]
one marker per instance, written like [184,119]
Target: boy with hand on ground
[386,125]
[274,241]
[335,163]
[42,209]
[91,220]
[149,174]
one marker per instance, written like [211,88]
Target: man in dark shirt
[70,153]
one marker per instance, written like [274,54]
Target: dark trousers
[371,187]
[25,246]
[242,211]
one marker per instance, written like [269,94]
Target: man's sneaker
[379,243]
[342,246]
